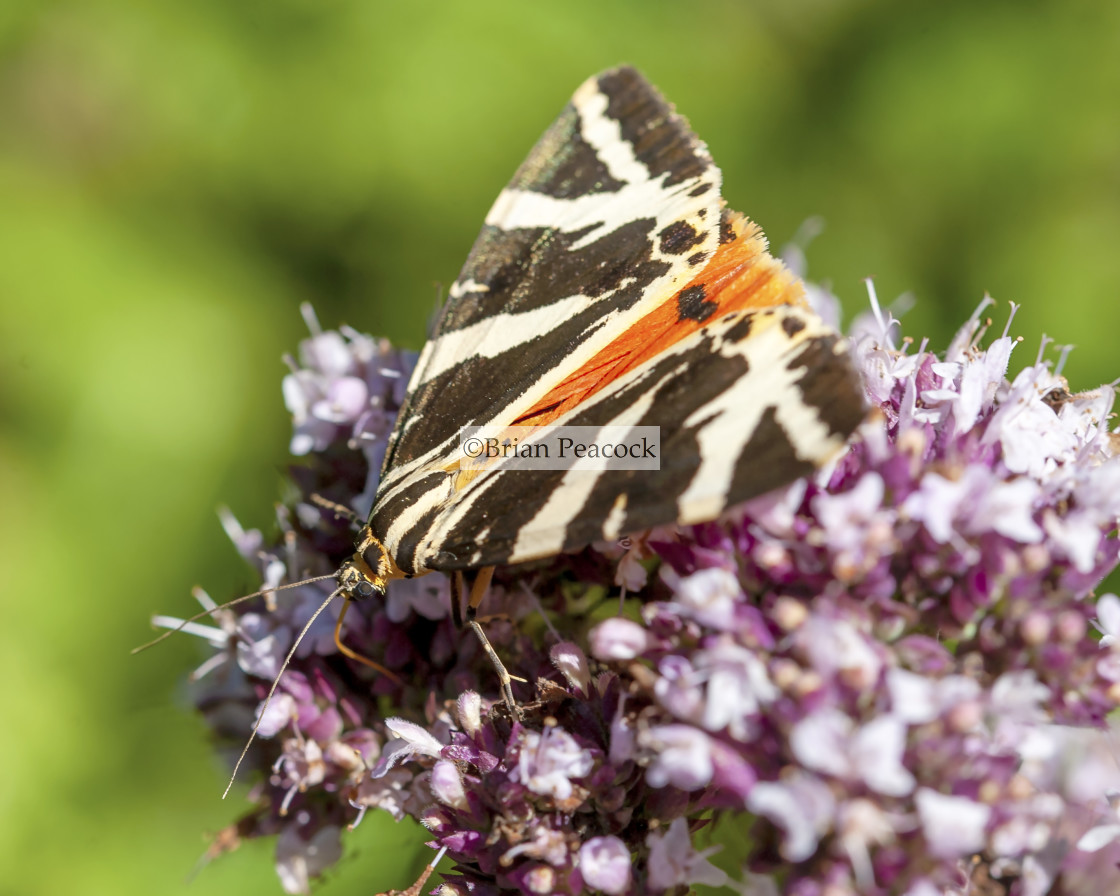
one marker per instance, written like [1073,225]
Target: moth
[609,286]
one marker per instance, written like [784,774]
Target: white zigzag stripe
[604,135]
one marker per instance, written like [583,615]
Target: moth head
[368,571]
[356,583]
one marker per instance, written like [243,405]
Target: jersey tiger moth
[609,286]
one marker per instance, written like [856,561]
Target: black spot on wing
[679,237]
[697,258]
[727,231]
[693,304]
[792,325]
[662,140]
[700,189]
[741,329]
[564,165]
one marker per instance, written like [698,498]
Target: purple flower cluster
[891,677]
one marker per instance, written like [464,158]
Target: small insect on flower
[609,286]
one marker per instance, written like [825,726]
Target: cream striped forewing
[615,209]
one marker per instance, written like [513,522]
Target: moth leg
[497,617]
[478,590]
[415,889]
[458,586]
[353,654]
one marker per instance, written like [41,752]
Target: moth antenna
[229,603]
[338,510]
[275,683]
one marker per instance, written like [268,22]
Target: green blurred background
[175,178]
